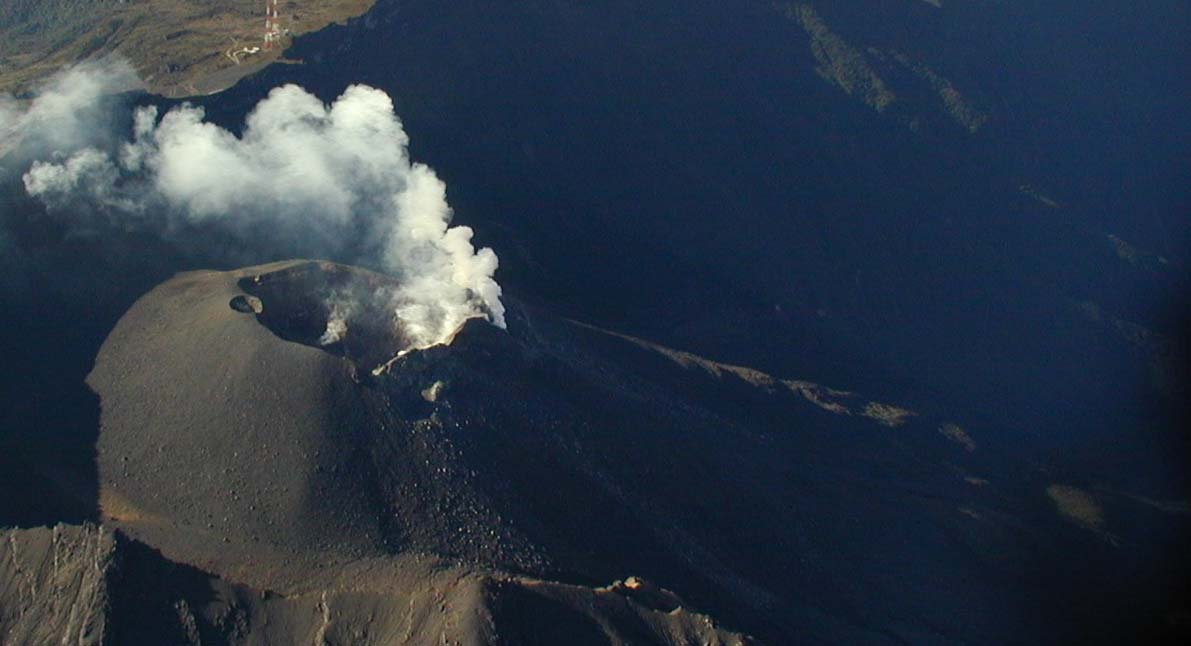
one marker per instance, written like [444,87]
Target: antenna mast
[272,24]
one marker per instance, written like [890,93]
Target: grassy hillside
[179,47]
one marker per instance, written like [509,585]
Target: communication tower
[272,24]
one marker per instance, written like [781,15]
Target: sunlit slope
[179,47]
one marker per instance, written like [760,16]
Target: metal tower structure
[272,24]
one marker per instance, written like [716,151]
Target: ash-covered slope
[216,428]
[296,472]
[530,467]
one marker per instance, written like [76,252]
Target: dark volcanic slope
[287,468]
[474,478]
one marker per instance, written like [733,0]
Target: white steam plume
[340,313]
[334,178]
[67,111]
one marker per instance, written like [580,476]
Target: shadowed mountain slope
[971,212]
[561,452]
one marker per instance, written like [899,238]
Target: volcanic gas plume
[303,177]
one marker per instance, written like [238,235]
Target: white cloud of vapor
[336,179]
[68,110]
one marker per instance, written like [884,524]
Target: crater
[347,311]
[246,304]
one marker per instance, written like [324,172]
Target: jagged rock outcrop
[54,585]
[83,585]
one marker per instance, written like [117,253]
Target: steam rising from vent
[303,177]
[336,324]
